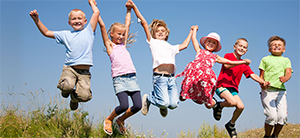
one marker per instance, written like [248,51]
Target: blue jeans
[164,94]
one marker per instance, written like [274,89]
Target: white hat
[212,35]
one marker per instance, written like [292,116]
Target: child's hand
[34,14]
[265,85]
[196,27]
[129,4]
[92,1]
[248,61]
[283,79]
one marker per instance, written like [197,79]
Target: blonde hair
[274,38]
[155,23]
[76,10]
[240,39]
[130,39]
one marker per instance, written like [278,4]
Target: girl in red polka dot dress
[199,82]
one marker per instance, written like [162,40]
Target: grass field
[55,119]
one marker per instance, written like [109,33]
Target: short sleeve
[60,36]
[247,71]
[262,65]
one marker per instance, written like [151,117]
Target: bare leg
[108,122]
[239,109]
[121,119]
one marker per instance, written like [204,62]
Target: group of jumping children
[199,80]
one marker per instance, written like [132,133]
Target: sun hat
[212,35]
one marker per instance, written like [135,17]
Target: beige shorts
[275,106]
[71,77]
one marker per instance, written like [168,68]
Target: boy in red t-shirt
[228,82]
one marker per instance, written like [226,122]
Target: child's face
[161,33]
[277,48]
[241,48]
[118,35]
[210,44]
[77,20]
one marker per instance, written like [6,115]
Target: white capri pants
[275,106]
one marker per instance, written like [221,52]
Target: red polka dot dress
[199,82]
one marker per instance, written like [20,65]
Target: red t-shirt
[231,77]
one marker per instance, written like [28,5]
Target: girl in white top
[164,94]
[123,72]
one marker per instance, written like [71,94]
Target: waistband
[164,75]
[277,89]
[127,75]
[81,71]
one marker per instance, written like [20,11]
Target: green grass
[55,119]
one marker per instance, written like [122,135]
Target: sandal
[231,130]
[107,127]
[121,128]
[217,111]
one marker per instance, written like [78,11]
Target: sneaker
[163,112]
[146,104]
[73,102]
[231,130]
[217,111]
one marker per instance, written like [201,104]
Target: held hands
[129,4]
[265,85]
[92,2]
[34,15]
[194,27]
[248,61]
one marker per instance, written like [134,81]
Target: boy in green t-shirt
[277,70]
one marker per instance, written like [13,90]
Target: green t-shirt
[274,67]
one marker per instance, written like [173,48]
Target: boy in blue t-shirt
[79,44]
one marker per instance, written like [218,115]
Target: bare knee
[232,102]
[240,106]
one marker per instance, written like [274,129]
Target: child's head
[77,19]
[159,30]
[276,45]
[240,47]
[117,33]
[211,42]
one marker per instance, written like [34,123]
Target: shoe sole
[145,105]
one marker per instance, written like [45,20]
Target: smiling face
[277,48]
[210,44]
[118,34]
[77,20]
[161,33]
[240,48]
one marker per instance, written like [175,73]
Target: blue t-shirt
[79,45]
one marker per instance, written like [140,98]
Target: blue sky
[28,57]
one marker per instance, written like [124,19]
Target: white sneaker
[146,104]
[163,112]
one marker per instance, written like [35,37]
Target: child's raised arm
[96,12]
[43,29]
[127,20]
[143,21]
[186,42]
[194,39]
[107,43]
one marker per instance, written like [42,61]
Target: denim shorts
[126,82]
[233,91]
